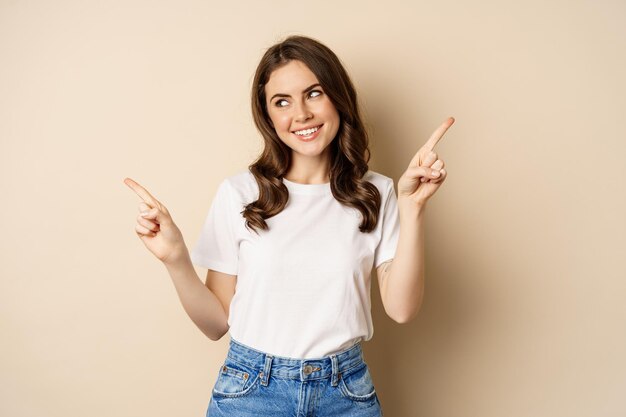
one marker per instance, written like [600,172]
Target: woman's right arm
[200,303]
[157,230]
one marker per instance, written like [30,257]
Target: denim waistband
[331,366]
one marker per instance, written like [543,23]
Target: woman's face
[296,102]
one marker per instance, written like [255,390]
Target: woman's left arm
[402,282]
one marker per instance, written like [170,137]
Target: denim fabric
[252,383]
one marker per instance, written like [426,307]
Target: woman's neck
[306,172]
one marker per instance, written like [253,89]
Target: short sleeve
[217,248]
[386,248]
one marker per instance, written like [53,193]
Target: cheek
[281,124]
[331,113]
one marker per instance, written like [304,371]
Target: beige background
[523,312]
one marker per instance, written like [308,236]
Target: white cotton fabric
[303,286]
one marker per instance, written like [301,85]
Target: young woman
[290,242]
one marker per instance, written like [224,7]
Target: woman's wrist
[178,258]
[408,207]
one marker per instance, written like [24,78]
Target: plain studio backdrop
[524,311]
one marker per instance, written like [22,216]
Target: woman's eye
[278,102]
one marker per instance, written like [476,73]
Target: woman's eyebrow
[306,90]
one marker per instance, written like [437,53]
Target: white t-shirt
[303,286]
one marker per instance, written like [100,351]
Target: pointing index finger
[141,192]
[438,134]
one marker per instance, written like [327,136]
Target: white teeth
[306,132]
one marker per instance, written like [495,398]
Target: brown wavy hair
[349,150]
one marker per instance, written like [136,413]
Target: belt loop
[265,374]
[335,378]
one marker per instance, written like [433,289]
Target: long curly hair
[349,150]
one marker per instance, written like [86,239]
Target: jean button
[308,369]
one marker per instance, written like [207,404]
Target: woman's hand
[425,173]
[155,228]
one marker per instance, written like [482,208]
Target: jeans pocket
[235,379]
[358,384]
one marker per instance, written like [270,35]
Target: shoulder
[241,186]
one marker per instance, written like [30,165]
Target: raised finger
[418,158]
[141,192]
[438,134]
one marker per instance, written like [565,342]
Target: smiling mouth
[307,132]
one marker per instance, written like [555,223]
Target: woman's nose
[302,112]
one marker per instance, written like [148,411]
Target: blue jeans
[252,383]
